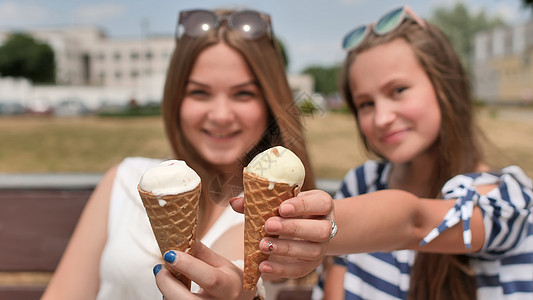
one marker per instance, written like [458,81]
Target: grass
[93,144]
[87,144]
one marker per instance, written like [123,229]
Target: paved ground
[517,114]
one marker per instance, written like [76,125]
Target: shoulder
[124,183]
[509,182]
[138,163]
[132,168]
[368,177]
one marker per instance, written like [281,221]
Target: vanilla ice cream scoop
[278,164]
[171,177]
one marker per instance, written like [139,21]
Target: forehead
[385,62]
[220,61]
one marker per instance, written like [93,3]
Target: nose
[221,111]
[384,113]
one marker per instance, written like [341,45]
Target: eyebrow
[386,86]
[355,97]
[251,82]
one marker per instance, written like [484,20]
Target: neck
[414,176]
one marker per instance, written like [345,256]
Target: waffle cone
[261,201]
[174,224]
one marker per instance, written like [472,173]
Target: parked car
[40,107]
[71,107]
[11,108]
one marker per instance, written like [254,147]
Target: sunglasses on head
[250,24]
[383,25]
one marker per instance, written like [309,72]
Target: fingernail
[266,245]
[234,199]
[170,256]
[266,268]
[286,210]
[272,226]
[157,268]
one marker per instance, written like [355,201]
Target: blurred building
[303,83]
[502,65]
[86,56]
[101,70]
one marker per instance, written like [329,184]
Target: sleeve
[369,177]
[507,209]
[347,189]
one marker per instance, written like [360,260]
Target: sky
[311,30]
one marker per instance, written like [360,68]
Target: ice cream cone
[261,201]
[173,218]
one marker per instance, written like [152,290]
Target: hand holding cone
[271,177]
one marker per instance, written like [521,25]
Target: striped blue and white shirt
[503,267]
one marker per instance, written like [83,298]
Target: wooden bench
[38,214]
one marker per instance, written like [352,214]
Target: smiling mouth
[393,136]
[221,135]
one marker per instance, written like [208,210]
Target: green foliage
[283,51]
[460,26]
[133,111]
[307,107]
[23,56]
[325,78]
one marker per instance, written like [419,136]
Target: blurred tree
[23,56]
[325,78]
[460,26]
[284,55]
[527,3]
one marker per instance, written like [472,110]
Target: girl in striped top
[428,218]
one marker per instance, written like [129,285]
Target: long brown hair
[436,276]
[265,61]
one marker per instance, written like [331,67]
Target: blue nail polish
[157,268]
[170,256]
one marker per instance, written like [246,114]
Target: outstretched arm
[388,220]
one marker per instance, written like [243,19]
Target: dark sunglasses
[249,24]
[383,25]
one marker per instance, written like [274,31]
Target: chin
[222,163]
[399,159]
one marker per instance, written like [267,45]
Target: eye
[199,94]
[398,90]
[246,95]
[363,103]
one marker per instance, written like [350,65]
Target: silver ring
[333,228]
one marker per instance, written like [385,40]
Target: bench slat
[21,292]
[35,226]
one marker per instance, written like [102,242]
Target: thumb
[237,204]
